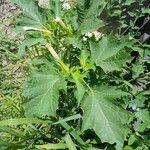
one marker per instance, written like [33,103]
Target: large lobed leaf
[91,22]
[29,42]
[55,7]
[32,16]
[104,117]
[110,53]
[90,25]
[42,90]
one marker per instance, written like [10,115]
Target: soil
[8,11]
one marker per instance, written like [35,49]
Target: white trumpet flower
[52,51]
[31,28]
[26,28]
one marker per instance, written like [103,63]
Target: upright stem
[57,58]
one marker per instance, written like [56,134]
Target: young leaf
[137,70]
[42,90]
[107,53]
[104,117]
[143,115]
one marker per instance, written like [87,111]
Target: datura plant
[83,91]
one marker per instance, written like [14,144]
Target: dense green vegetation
[77,81]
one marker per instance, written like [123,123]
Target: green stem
[62,64]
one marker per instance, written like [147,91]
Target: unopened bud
[52,51]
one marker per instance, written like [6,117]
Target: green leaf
[28,43]
[131,140]
[80,89]
[143,115]
[146,92]
[129,2]
[95,9]
[145,10]
[138,102]
[52,146]
[69,142]
[10,145]
[11,131]
[42,91]
[19,121]
[72,131]
[90,25]
[91,22]
[116,62]
[127,148]
[141,127]
[76,41]
[32,15]
[55,6]
[137,70]
[109,53]
[104,117]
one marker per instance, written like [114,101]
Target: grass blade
[68,119]
[52,146]
[19,121]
